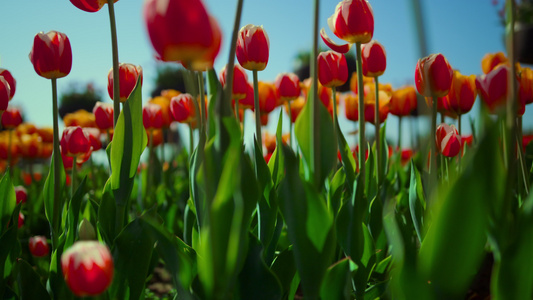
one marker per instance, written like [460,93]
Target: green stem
[257,110]
[191,140]
[73,177]
[335,117]
[523,167]
[462,147]
[378,142]
[400,133]
[150,168]
[231,60]
[315,149]
[360,90]
[290,124]
[57,162]
[202,103]
[116,76]
[432,134]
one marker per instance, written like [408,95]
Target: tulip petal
[332,45]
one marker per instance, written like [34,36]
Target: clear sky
[462,30]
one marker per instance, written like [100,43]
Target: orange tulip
[128,74]
[46,134]
[370,106]
[30,146]
[403,101]
[51,55]
[367,82]
[288,86]
[433,76]
[80,118]
[90,5]
[296,107]
[164,103]
[374,59]
[248,101]
[12,82]
[525,91]
[332,69]
[267,97]
[353,21]
[490,61]
[324,94]
[462,93]
[252,47]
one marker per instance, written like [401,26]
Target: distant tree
[79,97]
[302,67]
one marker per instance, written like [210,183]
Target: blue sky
[462,30]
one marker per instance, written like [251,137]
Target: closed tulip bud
[296,107]
[351,102]
[433,76]
[403,101]
[86,230]
[164,103]
[21,194]
[87,268]
[462,93]
[183,108]
[370,106]
[492,88]
[525,91]
[353,21]
[448,140]
[128,74]
[181,30]
[11,118]
[288,86]
[332,69]
[206,61]
[252,47]
[5,91]
[240,81]
[152,118]
[374,59]
[51,55]
[12,82]
[75,141]
[94,138]
[38,246]
[103,115]
[90,5]
[267,97]
[490,61]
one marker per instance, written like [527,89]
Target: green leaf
[454,245]
[73,214]
[106,215]
[337,282]
[256,280]
[275,164]
[417,201]
[324,149]
[129,141]
[336,189]
[48,190]
[284,267]
[348,161]
[319,221]
[29,282]
[213,89]
[9,201]
[10,249]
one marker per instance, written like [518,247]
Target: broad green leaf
[213,89]
[48,190]
[29,282]
[454,245]
[337,282]
[417,201]
[275,164]
[284,267]
[324,149]
[319,221]
[336,189]
[10,247]
[9,200]
[73,214]
[256,280]
[384,151]
[106,215]
[348,161]
[129,141]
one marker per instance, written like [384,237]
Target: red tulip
[180,30]
[94,137]
[492,87]
[403,101]
[288,86]
[433,76]
[332,69]
[182,108]
[252,47]
[12,82]
[75,142]
[103,115]
[21,194]
[11,118]
[90,5]
[152,116]
[128,74]
[353,21]
[448,140]
[5,91]
[68,161]
[240,81]
[406,156]
[374,59]
[87,268]
[51,55]
[332,45]
[206,61]
[39,246]
[462,93]
[525,91]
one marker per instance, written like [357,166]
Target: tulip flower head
[11,118]
[492,88]
[94,137]
[12,82]
[21,194]
[403,101]
[240,81]
[433,76]
[253,47]
[462,93]
[5,91]
[38,246]
[51,55]
[525,91]
[164,102]
[296,107]
[248,101]
[152,117]
[448,140]
[268,97]
[332,69]
[374,59]
[353,21]
[103,115]
[87,268]
[490,61]
[370,106]
[90,5]
[288,86]
[183,109]
[181,31]
[128,74]
[75,141]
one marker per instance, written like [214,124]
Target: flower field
[293,214]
